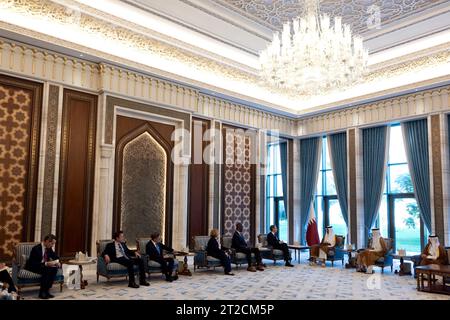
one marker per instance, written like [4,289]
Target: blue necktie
[122,251]
[157,249]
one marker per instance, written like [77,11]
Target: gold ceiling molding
[416,64]
[90,23]
[419,104]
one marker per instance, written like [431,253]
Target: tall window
[399,215]
[328,210]
[276,213]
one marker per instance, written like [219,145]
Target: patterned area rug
[303,282]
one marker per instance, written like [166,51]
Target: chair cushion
[212,259]
[154,264]
[240,255]
[25,276]
[277,252]
[381,260]
[115,267]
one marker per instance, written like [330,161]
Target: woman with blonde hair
[214,249]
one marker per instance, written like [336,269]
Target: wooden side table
[185,271]
[431,271]
[402,271]
[297,248]
[80,265]
[351,263]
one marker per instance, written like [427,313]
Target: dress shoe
[288,264]
[43,295]
[260,268]
[144,283]
[251,269]
[175,277]
[169,278]
[50,296]
[133,285]
[229,274]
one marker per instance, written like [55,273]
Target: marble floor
[276,282]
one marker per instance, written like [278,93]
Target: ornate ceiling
[358,13]
[198,43]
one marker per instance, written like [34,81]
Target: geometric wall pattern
[238,186]
[15,127]
[143,191]
[359,14]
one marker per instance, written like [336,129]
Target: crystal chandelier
[312,57]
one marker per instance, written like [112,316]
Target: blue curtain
[283,159]
[309,168]
[338,155]
[374,163]
[416,145]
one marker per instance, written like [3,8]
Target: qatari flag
[312,235]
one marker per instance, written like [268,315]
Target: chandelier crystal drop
[313,57]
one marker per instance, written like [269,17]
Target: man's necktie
[157,249]
[122,251]
[46,255]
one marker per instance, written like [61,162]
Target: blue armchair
[112,269]
[338,253]
[267,252]
[388,259]
[237,258]
[201,259]
[24,278]
[150,265]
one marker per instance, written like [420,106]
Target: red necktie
[45,256]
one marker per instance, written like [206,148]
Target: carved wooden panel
[437,175]
[198,183]
[143,179]
[20,109]
[76,180]
[238,196]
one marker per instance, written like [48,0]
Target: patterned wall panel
[437,176]
[238,183]
[20,105]
[50,160]
[143,195]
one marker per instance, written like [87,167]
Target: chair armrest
[15,271]
[200,257]
[389,258]
[101,265]
[145,258]
[339,253]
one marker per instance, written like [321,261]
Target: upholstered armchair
[237,258]
[24,278]
[267,252]
[112,269]
[388,259]
[150,265]
[201,259]
[338,253]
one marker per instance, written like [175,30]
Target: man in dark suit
[44,261]
[155,251]
[272,240]
[240,245]
[6,278]
[118,252]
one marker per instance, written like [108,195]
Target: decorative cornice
[33,62]
[92,21]
[409,106]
